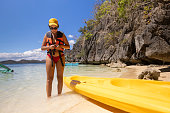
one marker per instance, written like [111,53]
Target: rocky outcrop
[143,36]
[75,55]
[116,65]
[150,74]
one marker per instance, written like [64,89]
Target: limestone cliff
[132,31]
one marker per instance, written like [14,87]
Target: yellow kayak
[131,95]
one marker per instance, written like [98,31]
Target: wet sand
[87,105]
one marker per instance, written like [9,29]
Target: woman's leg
[50,75]
[60,70]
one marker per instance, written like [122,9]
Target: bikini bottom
[55,59]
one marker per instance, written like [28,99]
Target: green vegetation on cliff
[119,10]
[135,31]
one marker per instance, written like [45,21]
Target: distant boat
[71,64]
[5,69]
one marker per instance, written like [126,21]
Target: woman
[54,42]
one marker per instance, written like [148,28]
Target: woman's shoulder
[48,34]
[60,34]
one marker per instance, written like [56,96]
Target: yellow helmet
[53,21]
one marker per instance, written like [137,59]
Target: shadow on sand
[167,69]
[104,106]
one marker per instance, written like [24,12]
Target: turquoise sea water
[24,90]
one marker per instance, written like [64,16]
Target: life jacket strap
[61,57]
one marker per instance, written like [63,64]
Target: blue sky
[23,23]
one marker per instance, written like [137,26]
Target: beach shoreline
[26,87]
[88,105]
[133,71]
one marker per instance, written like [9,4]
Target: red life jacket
[58,41]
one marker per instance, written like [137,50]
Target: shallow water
[24,90]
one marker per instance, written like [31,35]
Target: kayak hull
[131,95]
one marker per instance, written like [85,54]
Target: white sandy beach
[24,90]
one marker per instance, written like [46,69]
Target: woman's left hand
[58,47]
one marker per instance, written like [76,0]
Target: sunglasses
[53,28]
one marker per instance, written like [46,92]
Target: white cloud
[71,42]
[35,54]
[70,36]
